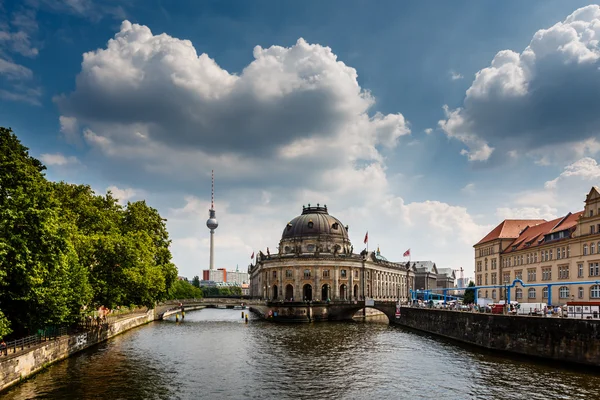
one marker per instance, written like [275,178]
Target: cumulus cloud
[123,195]
[587,169]
[469,188]
[152,97]
[58,159]
[70,129]
[539,101]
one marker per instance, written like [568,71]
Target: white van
[531,309]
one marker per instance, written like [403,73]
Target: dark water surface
[214,355]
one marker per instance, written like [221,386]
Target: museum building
[316,262]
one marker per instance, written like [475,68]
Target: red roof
[510,229]
[534,235]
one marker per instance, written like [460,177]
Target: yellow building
[565,250]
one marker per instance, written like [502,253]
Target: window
[310,248]
[563,292]
[486,279]
[528,260]
[535,257]
[591,213]
[506,277]
[531,293]
[547,273]
[558,253]
[564,253]
[595,292]
[580,292]
[494,279]
[307,273]
[310,224]
[478,280]
[519,274]
[356,273]
[343,273]
[568,251]
[288,273]
[585,251]
[563,272]
[580,270]
[594,269]
[274,274]
[592,229]
[478,266]
[592,248]
[486,264]
[531,275]
[325,273]
[494,294]
[550,251]
[486,294]
[519,293]
[545,293]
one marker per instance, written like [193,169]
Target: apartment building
[564,250]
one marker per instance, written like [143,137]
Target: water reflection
[213,354]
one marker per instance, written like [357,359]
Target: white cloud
[14,71]
[58,159]
[428,131]
[69,128]
[455,75]
[469,188]
[544,212]
[528,101]
[123,195]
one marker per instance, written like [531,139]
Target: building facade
[559,258]
[316,262]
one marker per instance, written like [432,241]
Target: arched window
[531,293]
[545,293]
[592,248]
[563,292]
[519,293]
[595,292]
[585,249]
[580,292]
[486,294]
[494,294]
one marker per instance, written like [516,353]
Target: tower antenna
[212,190]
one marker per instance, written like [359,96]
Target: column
[317,288]
[351,283]
[297,289]
[281,289]
[336,283]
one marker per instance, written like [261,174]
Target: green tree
[183,289]
[469,294]
[38,264]
[4,326]
[196,281]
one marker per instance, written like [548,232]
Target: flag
[367,237]
[252,256]
[406,253]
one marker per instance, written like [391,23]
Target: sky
[425,123]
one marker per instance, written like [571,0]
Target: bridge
[172,307]
[337,310]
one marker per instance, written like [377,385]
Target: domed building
[316,262]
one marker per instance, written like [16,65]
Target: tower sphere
[212,223]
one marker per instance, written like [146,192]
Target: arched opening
[274,292]
[343,292]
[289,292]
[307,292]
[356,291]
[325,292]
[372,315]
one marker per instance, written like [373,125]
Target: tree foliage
[469,294]
[64,248]
[182,289]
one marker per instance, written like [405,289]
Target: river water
[213,354]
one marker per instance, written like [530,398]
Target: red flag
[252,256]
[406,253]
[367,237]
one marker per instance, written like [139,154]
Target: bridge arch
[345,311]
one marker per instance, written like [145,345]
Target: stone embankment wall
[15,368]
[563,339]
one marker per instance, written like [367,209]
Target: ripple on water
[213,354]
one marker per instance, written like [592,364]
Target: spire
[212,190]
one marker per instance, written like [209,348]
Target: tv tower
[212,223]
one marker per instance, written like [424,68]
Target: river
[213,354]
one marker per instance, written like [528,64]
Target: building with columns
[558,259]
[315,261]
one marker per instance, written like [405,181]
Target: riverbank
[14,369]
[561,339]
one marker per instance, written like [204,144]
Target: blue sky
[444,118]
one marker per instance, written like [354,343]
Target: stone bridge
[171,307]
[319,311]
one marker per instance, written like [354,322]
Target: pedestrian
[3,348]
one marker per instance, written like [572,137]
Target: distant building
[222,275]
[445,278]
[245,289]
[425,275]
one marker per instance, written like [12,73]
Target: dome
[315,221]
